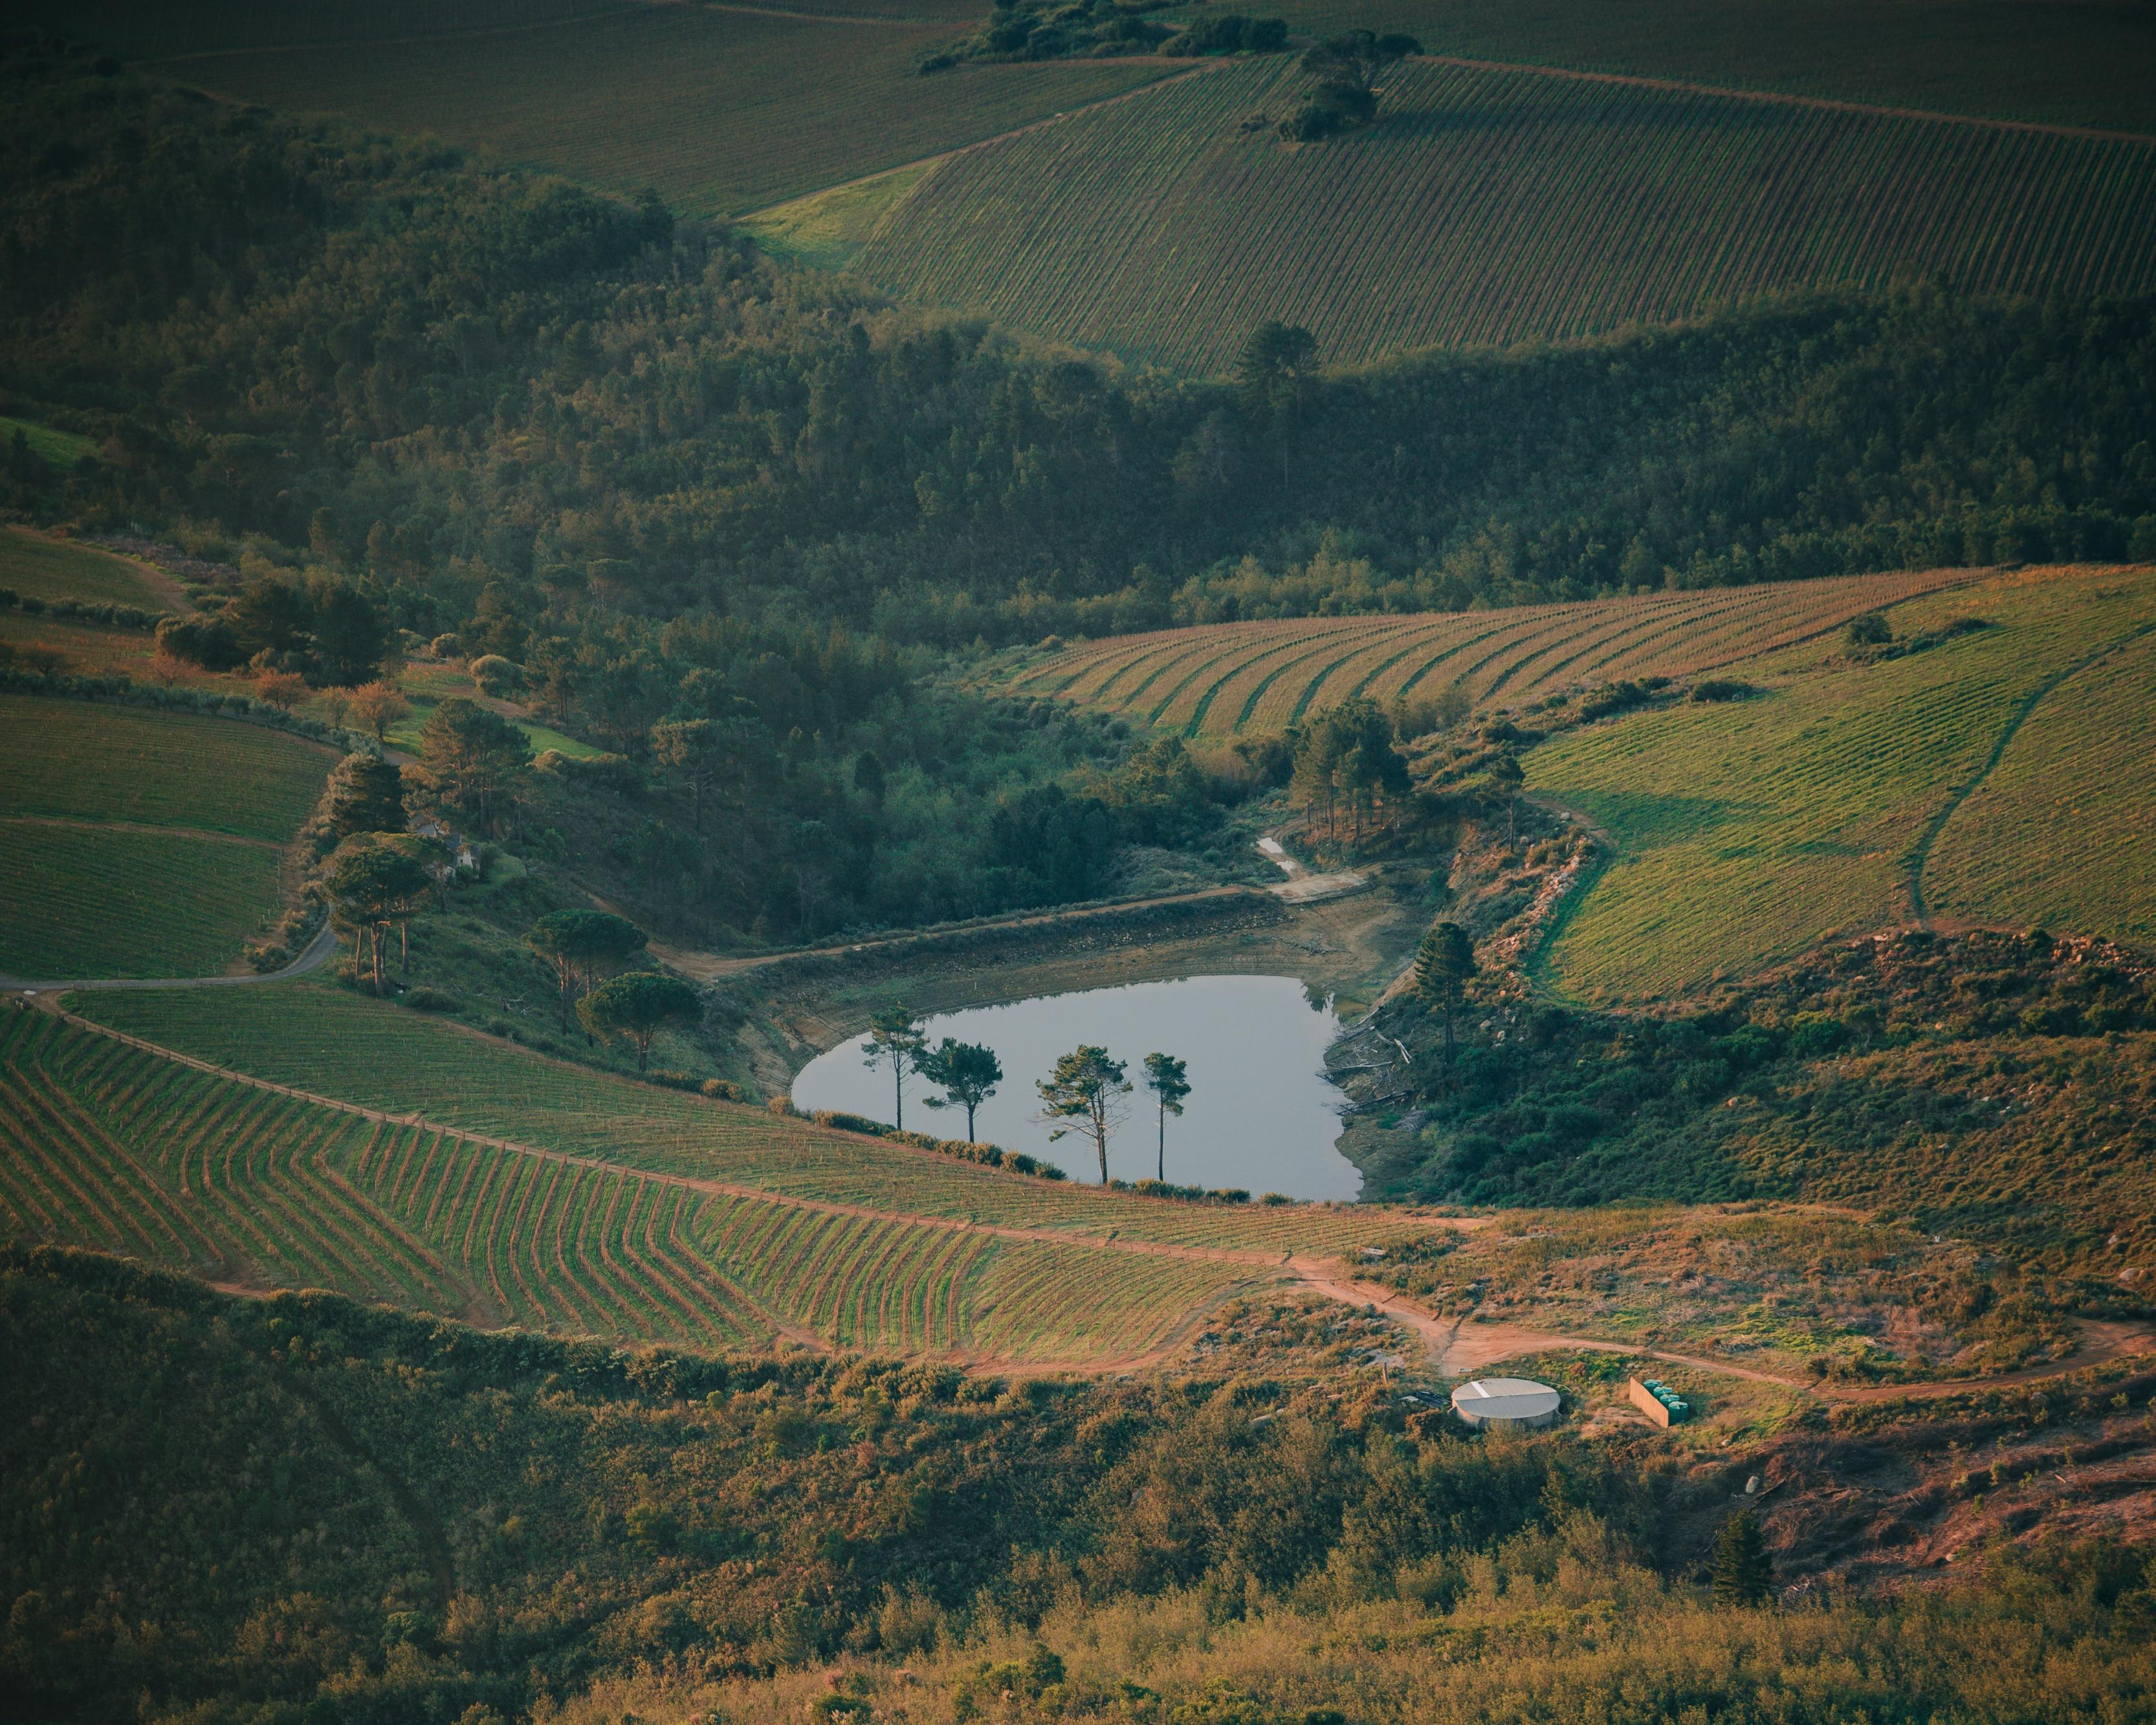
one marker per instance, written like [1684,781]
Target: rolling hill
[1490,205]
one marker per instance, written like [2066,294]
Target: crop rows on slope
[117,1149]
[109,1146]
[334,1042]
[561,1245]
[1037,1300]
[88,903]
[1225,679]
[77,760]
[723,109]
[878,1282]
[1490,206]
[2061,833]
[1744,833]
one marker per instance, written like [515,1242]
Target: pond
[1260,1115]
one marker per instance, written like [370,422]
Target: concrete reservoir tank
[1506,1404]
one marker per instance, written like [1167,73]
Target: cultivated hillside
[1226,680]
[141,843]
[1488,205]
[1997,776]
[718,109]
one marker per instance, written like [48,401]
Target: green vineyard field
[2071,790]
[86,903]
[1490,205]
[324,1041]
[1225,680]
[80,760]
[1744,832]
[112,1147]
[141,843]
[722,110]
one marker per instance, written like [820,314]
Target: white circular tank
[1506,1404]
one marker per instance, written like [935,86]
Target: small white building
[1505,1404]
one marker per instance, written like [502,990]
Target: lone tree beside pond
[1165,1076]
[895,1041]
[1444,963]
[968,1073]
[1086,1088]
[634,1008]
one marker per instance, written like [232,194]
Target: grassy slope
[52,569]
[721,112]
[1747,831]
[1490,206]
[63,449]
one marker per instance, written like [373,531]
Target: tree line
[1084,1095]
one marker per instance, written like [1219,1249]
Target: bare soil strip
[703,967]
[1458,1346]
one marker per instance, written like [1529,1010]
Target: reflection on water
[1260,1114]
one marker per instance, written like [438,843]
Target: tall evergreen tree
[1444,963]
[1743,1574]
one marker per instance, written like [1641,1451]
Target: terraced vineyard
[141,843]
[1847,796]
[1490,205]
[111,1146]
[1226,680]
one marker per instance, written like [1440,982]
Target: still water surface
[1260,1115]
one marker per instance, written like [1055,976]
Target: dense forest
[453,381]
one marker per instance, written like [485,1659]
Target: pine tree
[1743,1572]
[1442,967]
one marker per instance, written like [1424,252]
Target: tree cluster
[1344,759]
[1344,71]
